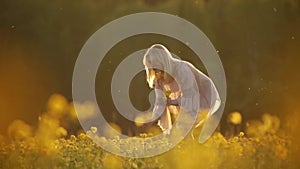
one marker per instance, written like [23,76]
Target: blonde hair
[157,57]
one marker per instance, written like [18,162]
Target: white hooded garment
[193,90]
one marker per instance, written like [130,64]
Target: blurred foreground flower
[110,130]
[235,118]
[57,105]
[143,118]
[85,110]
[234,121]
[18,130]
[269,124]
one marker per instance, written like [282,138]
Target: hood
[157,57]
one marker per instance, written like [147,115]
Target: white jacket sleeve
[160,102]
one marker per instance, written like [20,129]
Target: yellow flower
[142,118]
[235,118]
[281,152]
[57,105]
[94,129]
[168,93]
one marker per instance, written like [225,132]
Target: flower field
[263,145]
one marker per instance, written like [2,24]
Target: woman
[179,87]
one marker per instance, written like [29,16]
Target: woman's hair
[157,57]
